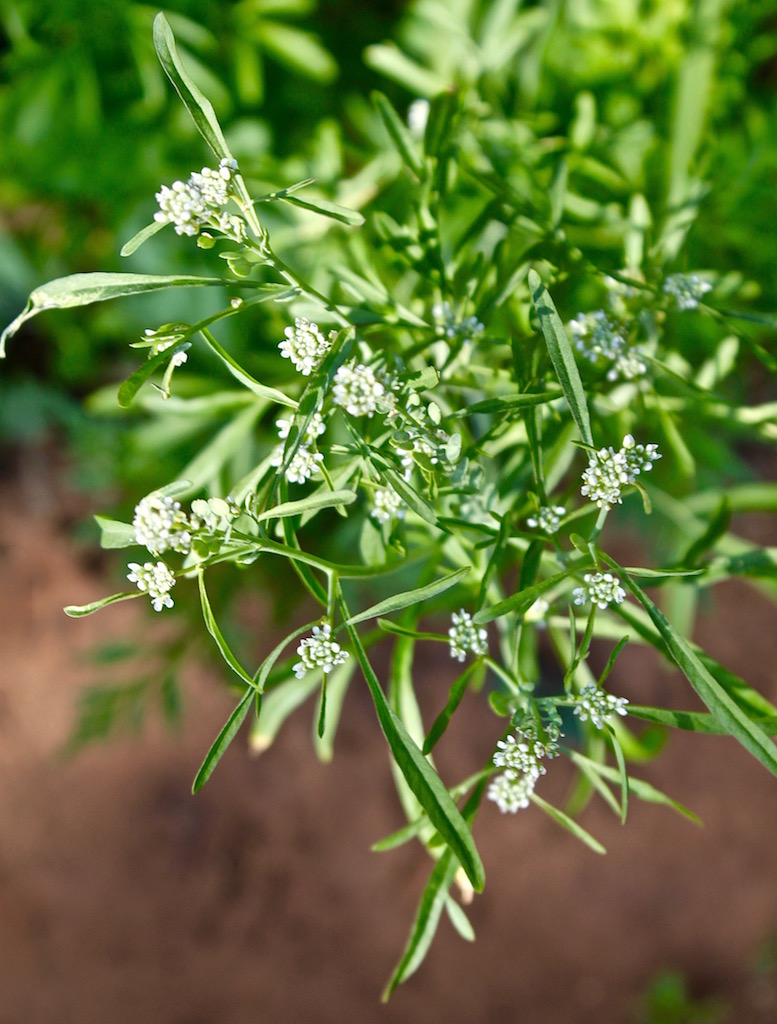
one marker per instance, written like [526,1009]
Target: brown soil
[125,899]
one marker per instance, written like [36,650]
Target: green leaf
[332,210]
[237,371]
[200,108]
[78,611]
[277,705]
[223,740]
[115,534]
[389,60]
[313,503]
[442,111]
[561,356]
[398,133]
[411,497]
[730,715]
[440,724]
[521,602]
[568,823]
[426,921]
[409,597]
[459,919]
[142,236]
[130,387]
[505,405]
[694,721]
[212,626]
[624,775]
[717,527]
[298,50]
[658,575]
[84,289]
[210,459]
[336,688]
[642,790]
[422,779]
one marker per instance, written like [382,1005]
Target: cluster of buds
[191,205]
[609,471]
[598,339]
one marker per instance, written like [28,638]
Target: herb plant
[441,421]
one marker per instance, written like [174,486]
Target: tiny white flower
[450,326]
[547,519]
[687,289]
[156,580]
[597,705]
[357,390]
[465,637]
[161,525]
[597,337]
[609,471]
[305,346]
[304,463]
[602,589]
[319,651]
[190,205]
[511,792]
[315,428]
[417,116]
[387,505]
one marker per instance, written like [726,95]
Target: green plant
[477,382]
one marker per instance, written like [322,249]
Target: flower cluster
[609,471]
[601,588]
[465,637]
[161,525]
[357,390]
[521,757]
[596,337]
[598,706]
[199,201]
[547,519]
[449,326]
[387,505]
[305,462]
[319,651]
[156,580]
[305,346]
[687,289]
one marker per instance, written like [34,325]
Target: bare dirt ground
[125,899]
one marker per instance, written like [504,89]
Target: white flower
[602,589]
[417,116]
[547,519]
[687,289]
[597,705]
[609,471]
[319,651]
[511,792]
[387,505]
[304,464]
[189,205]
[305,346]
[465,637]
[315,428]
[154,579]
[596,337]
[357,390]
[161,525]
[451,327]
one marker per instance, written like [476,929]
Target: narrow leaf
[568,823]
[130,387]
[332,210]
[223,740]
[410,597]
[440,724]
[398,133]
[84,289]
[729,714]
[561,356]
[423,780]
[115,534]
[313,503]
[521,602]
[237,371]
[212,626]
[142,236]
[77,611]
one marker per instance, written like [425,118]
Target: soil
[126,899]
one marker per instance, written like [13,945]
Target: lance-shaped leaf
[410,597]
[735,721]
[521,602]
[561,356]
[223,740]
[334,211]
[212,626]
[313,503]
[423,780]
[85,289]
[399,134]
